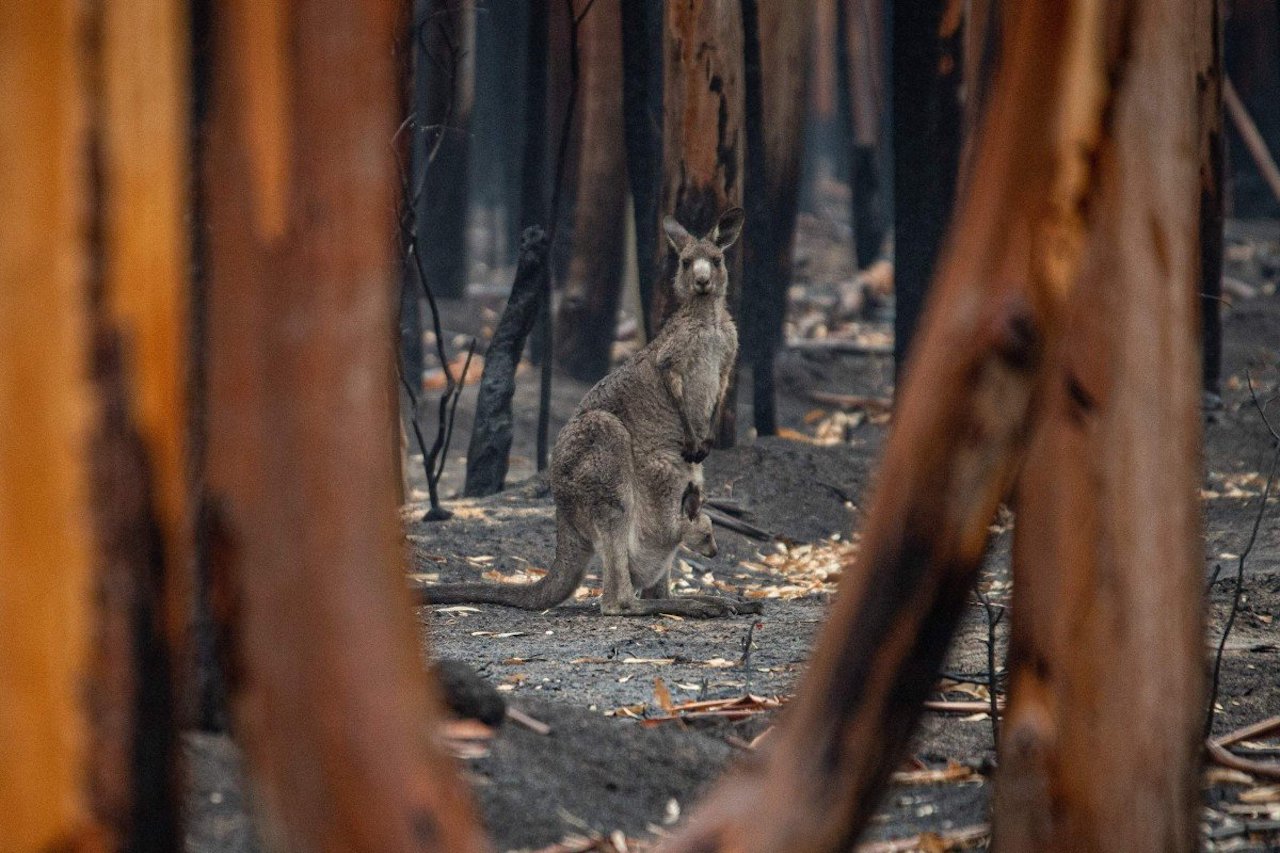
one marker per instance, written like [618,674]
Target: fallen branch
[737,525]
[838,345]
[520,718]
[1217,749]
[1221,755]
[1250,732]
[1253,141]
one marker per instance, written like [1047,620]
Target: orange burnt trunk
[327,689]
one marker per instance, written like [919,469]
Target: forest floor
[621,755]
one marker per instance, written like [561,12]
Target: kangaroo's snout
[702,274]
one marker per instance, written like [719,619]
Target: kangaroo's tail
[573,554]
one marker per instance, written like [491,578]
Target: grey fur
[626,471]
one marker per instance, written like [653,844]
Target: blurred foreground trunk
[94,524]
[1108,636]
[702,149]
[327,689]
[1064,319]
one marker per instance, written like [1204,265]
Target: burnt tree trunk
[588,308]
[307,577]
[862,73]
[926,151]
[1212,161]
[642,117]
[777,38]
[1025,288]
[490,449]
[94,518]
[1108,635]
[702,149]
[533,170]
[495,146]
[445,71]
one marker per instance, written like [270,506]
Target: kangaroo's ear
[677,236]
[726,232]
[691,501]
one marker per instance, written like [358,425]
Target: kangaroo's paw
[696,453]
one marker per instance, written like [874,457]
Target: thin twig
[993,619]
[453,408]
[1244,555]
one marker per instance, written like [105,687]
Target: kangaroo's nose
[702,271]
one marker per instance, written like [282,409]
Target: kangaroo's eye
[684,263]
[720,261]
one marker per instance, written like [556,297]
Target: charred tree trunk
[1025,289]
[495,147]
[307,577]
[642,116]
[862,72]
[1212,161]
[589,302]
[446,74]
[1107,583]
[702,169]
[490,449]
[94,523]
[533,171]
[777,37]
[926,151]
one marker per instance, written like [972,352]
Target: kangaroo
[626,471]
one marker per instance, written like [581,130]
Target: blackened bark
[533,175]
[926,151]
[762,307]
[861,73]
[487,455]
[642,118]
[495,149]
[1209,85]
